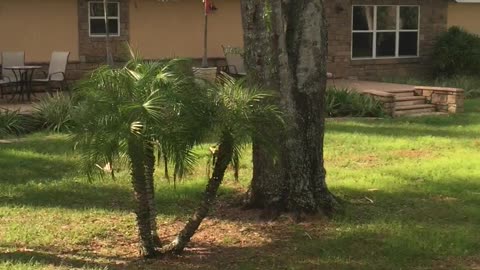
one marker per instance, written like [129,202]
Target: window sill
[384,61]
[103,36]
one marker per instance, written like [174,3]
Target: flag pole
[107,34]
[205,37]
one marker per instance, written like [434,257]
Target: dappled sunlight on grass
[411,188]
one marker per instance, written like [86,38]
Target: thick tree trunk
[150,185]
[136,154]
[265,190]
[297,56]
[224,156]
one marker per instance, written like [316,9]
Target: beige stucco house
[465,13]
[367,38]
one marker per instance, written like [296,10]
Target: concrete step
[409,100]
[402,92]
[414,109]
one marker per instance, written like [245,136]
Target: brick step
[402,92]
[427,114]
[414,109]
[409,100]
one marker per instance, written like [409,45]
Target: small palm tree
[126,112]
[239,111]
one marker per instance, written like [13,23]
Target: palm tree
[124,112]
[239,111]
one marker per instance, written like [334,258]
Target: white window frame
[397,31]
[90,17]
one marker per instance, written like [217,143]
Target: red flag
[208,7]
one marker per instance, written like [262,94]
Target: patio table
[23,80]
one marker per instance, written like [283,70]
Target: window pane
[408,18]
[386,44]
[96,9]
[386,18]
[113,9]
[362,45]
[97,26]
[113,26]
[408,44]
[363,18]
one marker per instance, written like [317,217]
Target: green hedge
[456,52]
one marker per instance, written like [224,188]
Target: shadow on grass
[42,143]
[444,203]
[203,257]
[415,227]
[21,168]
[40,258]
[108,196]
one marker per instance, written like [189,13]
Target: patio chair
[56,72]
[235,66]
[8,77]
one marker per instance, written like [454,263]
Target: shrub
[54,113]
[344,102]
[456,52]
[12,123]
[471,84]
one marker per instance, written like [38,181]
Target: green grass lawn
[411,187]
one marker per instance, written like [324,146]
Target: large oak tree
[286,50]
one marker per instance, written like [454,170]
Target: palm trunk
[236,168]
[225,153]
[150,185]
[140,187]
[165,164]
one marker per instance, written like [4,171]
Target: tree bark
[296,50]
[224,156]
[150,185]
[136,154]
[265,191]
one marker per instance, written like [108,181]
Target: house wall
[465,15]
[175,29]
[433,21]
[39,27]
[159,30]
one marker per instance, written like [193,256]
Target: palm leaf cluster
[149,100]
